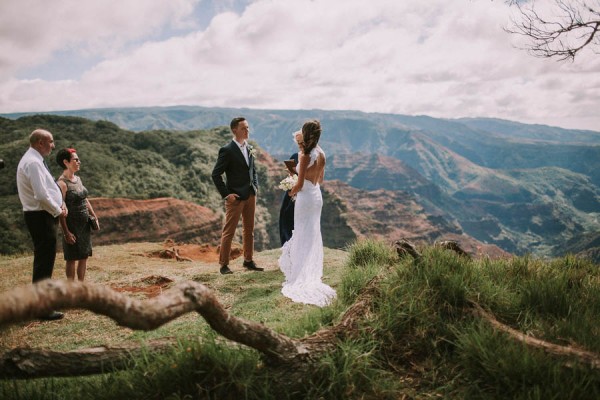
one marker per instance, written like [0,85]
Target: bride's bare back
[313,173]
[316,172]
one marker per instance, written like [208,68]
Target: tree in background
[560,31]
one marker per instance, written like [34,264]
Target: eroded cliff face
[155,220]
[348,214]
[389,216]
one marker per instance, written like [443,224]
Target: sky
[441,58]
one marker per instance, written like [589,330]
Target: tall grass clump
[425,317]
[367,259]
[556,301]
[353,371]
[369,251]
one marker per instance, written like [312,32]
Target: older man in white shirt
[42,205]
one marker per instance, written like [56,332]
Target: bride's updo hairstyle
[311,132]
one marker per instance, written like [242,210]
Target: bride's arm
[303,160]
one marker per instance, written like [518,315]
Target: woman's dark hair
[62,155]
[311,132]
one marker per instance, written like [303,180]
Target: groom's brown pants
[233,211]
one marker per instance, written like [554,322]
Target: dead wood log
[29,363]
[179,257]
[452,245]
[586,357]
[291,355]
[350,323]
[404,247]
[27,302]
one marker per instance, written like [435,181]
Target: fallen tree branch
[29,363]
[587,357]
[349,324]
[28,302]
[405,247]
[25,303]
[453,246]
[178,257]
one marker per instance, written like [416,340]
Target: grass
[419,341]
[249,295]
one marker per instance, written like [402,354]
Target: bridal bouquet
[288,183]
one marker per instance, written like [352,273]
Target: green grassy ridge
[420,341]
[116,163]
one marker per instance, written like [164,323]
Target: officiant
[286,212]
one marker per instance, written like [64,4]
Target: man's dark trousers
[43,228]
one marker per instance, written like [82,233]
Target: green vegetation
[421,339]
[115,163]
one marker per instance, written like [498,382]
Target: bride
[302,256]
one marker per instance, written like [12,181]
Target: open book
[291,166]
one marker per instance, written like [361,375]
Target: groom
[236,161]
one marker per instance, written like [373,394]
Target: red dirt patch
[193,252]
[154,286]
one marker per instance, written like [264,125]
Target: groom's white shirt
[244,149]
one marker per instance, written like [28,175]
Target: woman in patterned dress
[77,241]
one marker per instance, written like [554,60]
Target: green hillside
[115,163]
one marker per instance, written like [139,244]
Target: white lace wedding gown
[301,258]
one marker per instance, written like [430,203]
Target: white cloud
[434,58]
[32,30]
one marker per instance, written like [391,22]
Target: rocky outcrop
[155,220]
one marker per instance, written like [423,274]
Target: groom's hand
[231,197]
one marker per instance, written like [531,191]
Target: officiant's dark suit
[239,191]
[286,213]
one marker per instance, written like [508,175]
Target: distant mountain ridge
[156,185]
[526,188]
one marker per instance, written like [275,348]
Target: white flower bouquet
[288,183]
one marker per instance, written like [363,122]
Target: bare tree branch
[587,357]
[27,302]
[574,25]
[24,363]
[24,303]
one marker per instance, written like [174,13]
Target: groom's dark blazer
[240,178]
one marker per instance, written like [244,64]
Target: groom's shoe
[251,266]
[225,270]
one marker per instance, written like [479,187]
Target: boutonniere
[252,151]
